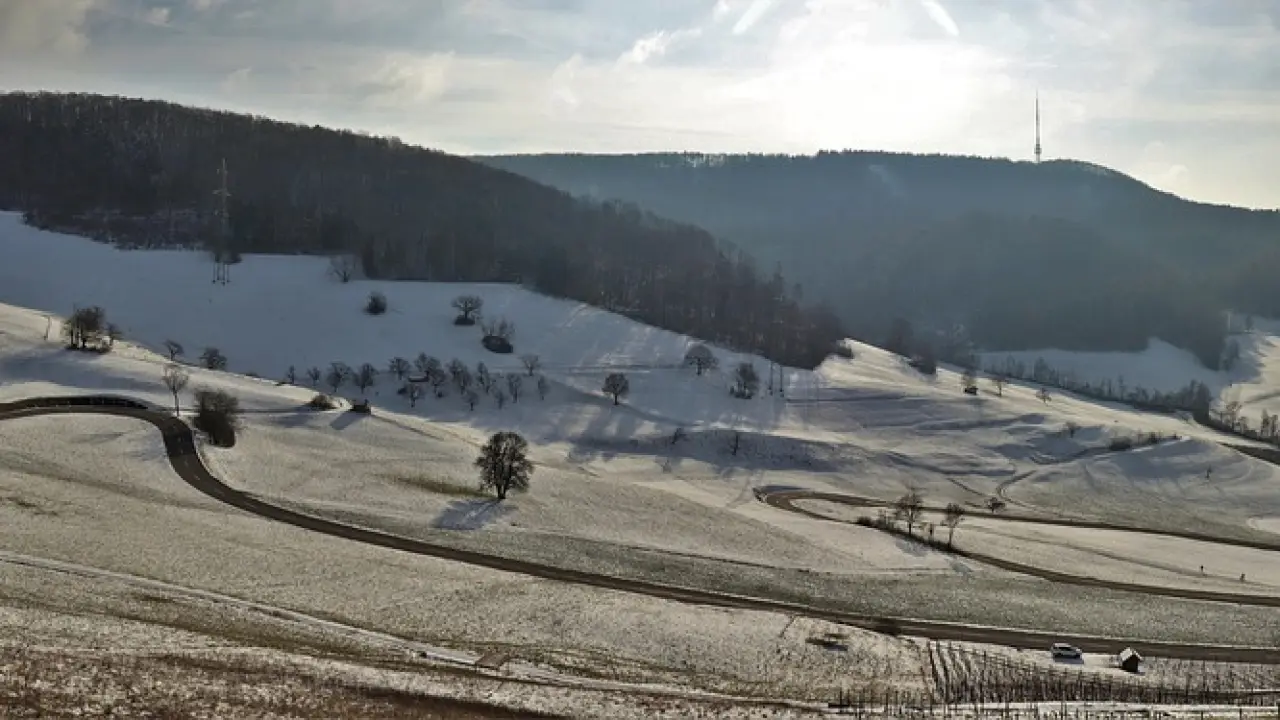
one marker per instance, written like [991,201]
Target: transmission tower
[221,243]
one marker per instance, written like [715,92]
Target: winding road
[787,499]
[180,446]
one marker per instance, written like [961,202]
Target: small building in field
[1129,660]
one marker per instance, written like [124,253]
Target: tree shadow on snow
[470,514]
[346,420]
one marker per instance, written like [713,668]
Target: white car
[1063,651]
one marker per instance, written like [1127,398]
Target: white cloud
[753,14]
[42,27]
[939,15]
[158,16]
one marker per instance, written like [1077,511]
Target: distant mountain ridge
[1060,254]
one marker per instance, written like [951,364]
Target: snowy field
[658,487]
[1254,382]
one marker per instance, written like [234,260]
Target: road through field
[180,446]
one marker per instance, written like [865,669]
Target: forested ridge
[1020,255]
[144,174]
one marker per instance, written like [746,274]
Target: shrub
[1120,444]
[320,401]
[497,344]
[376,304]
[218,416]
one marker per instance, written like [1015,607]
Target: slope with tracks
[180,447]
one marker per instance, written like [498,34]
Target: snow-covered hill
[658,487]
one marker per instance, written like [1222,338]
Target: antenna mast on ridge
[1037,127]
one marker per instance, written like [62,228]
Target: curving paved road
[786,499]
[181,449]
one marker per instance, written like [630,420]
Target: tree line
[143,173]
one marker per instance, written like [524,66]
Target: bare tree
[954,514]
[213,359]
[174,348]
[499,397]
[543,387]
[291,375]
[735,443]
[701,358]
[438,378]
[342,267]
[999,379]
[113,334]
[365,377]
[414,392]
[1043,395]
[313,375]
[617,386]
[86,327]
[176,378]
[471,397]
[514,383]
[499,328]
[423,363]
[399,367]
[467,307]
[504,464]
[460,374]
[746,381]
[483,377]
[338,374]
[532,363]
[908,508]
[968,378]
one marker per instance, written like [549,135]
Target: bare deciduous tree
[313,375]
[467,307]
[460,374]
[514,384]
[532,363]
[483,377]
[366,376]
[968,378]
[291,375]
[504,464]
[337,375]
[617,386]
[471,397]
[954,514]
[1043,395]
[399,367]
[701,358]
[342,267]
[999,380]
[423,363]
[86,328]
[908,508]
[499,328]
[438,378]
[213,359]
[176,378]
[174,348]
[499,397]
[746,381]
[543,387]
[414,392]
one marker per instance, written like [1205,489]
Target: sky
[1182,94]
